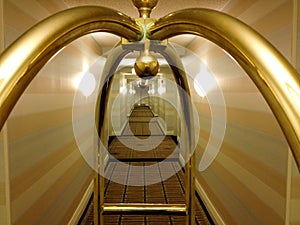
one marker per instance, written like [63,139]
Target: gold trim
[274,76]
[26,56]
[277,80]
[112,62]
[148,208]
[145,7]
[177,68]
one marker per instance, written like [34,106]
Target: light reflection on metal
[274,76]
[145,7]
[180,76]
[20,62]
[146,65]
[140,208]
[271,72]
[112,63]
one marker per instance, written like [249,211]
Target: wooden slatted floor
[125,149]
[154,185]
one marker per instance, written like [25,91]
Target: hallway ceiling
[107,41]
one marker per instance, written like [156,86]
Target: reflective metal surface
[180,76]
[112,63]
[144,208]
[277,80]
[146,65]
[23,59]
[145,7]
[274,76]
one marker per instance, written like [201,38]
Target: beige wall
[166,104]
[4,184]
[1,26]
[247,183]
[294,202]
[48,176]
[120,104]
[4,179]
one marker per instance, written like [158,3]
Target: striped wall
[252,181]
[120,103]
[4,184]
[166,104]
[247,182]
[48,176]
[294,203]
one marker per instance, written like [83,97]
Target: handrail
[276,79]
[28,54]
[273,75]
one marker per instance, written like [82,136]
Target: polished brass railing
[276,79]
[20,62]
[273,75]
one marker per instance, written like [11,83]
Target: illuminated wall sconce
[123,85]
[161,87]
[151,90]
[199,90]
[142,83]
[133,71]
[161,90]
[85,82]
[204,81]
[123,90]
[131,89]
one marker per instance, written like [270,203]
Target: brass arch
[274,76]
[112,62]
[31,51]
[281,91]
[263,66]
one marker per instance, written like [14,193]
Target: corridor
[168,190]
[102,111]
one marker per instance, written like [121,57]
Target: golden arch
[277,80]
[275,77]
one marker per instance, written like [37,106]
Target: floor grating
[148,176]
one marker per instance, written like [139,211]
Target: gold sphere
[146,66]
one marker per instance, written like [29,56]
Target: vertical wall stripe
[52,197]
[80,208]
[288,190]
[47,173]
[1,26]
[294,181]
[4,180]
[7,184]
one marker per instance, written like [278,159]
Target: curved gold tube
[26,56]
[111,65]
[175,63]
[274,76]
